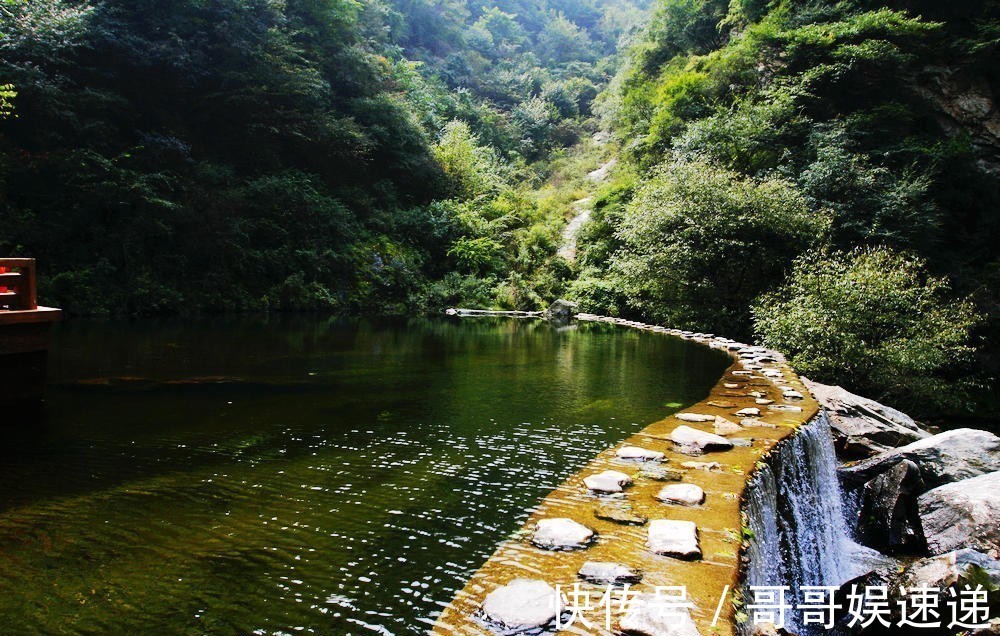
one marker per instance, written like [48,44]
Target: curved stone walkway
[663,510]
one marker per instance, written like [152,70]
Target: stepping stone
[752,422]
[699,441]
[764,401]
[673,538]
[642,454]
[561,534]
[649,615]
[726,427]
[605,572]
[720,405]
[773,373]
[744,372]
[608,481]
[792,394]
[659,473]
[785,407]
[682,494]
[731,385]
[757,394]
[750,411]
[521,605]
[702,465]
[619,514]
[694,417]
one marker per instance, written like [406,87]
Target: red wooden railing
[17,284]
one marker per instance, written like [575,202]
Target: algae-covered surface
[718,518]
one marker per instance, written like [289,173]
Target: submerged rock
[608,481]
[682,494]
[963,514]
[605,572]
[694,417]
[660,473]
[674,538]
[561,534]
[719,404]
[648,615]
[863,427]
[698,441]
[642,454]
[709,466]
[521,605]
[619,513]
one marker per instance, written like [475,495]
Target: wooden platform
[24,332]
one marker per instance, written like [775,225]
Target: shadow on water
[242,476]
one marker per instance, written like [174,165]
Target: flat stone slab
[619,514]
[764,401]
[726,427]
[785,407]
[719,404]
[561,534]
[605,572]
[701,441]
[641,454]
[521,605]
[752,422]
[608,481]
[674,538]
[694,417]
[792,394]
[682,494]
[648,615]
[750,411]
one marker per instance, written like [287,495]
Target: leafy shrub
[871,319]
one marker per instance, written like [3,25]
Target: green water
[303,475]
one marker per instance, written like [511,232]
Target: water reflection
[300,474]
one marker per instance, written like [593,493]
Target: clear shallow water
[303,475]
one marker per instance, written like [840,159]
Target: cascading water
[794,510]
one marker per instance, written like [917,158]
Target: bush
[699,243]
[873,320]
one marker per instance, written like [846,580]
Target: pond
[301,474]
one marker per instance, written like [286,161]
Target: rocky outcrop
[943,458]
[963,514]
[862,427]
[887,511]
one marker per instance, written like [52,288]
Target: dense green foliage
[237,155]
[872,318]
[879,122]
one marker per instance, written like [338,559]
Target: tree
[874,320]
[699,243]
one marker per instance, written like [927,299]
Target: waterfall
[794,512]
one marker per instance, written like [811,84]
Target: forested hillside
[822,176]
[189,156]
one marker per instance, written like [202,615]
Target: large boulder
[521,605]
[943,458]
[862,427]
[963,514]
[887,511]
[562,311]
[957,568]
